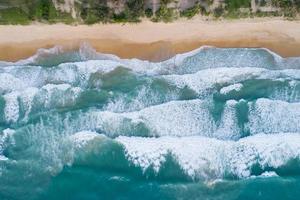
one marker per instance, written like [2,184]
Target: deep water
[211,124]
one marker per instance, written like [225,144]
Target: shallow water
[209,124]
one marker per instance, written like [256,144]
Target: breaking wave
[207,115]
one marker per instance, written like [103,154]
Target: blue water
[208,124]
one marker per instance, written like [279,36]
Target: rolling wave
[204,116]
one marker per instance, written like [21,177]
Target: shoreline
[153,41]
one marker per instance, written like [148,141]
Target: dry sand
[153,41]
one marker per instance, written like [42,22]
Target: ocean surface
[211,124]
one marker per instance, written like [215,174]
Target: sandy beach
[153,41]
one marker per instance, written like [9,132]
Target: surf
[212,117]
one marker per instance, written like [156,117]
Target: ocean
[210,124]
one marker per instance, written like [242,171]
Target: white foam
[201,58]
[206,79]
[51,87]
[235,87]
[9,83]
[195,155]
[85,52]
[72,73]
[145,97]
[208,158]
[49,96]
[269,174]
[268,151]
[231,57]
[289,73]
[40,54]
[178,59]
[30,76]
[11,109]
[228,127]
[80,139]
[5,135]
[273,116]
[175,118]
[15,99]
[93,66]
[3,158]
[26,99]
[59,95]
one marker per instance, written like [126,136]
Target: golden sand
[153,41]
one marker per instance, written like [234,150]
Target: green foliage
[149,12]
[120,18]
[102,13]
[282,3]
[13,16]
[209,2]
[266,14]
[290,13]
[134,9]
[95,11]
[45,9]
[84,11]
[164,14]
[289,7]
[233,9]
[191,12]
[91,18]
[41,10]
[98,11]
[218,12]
[297,4]
[232,5]
[25,11]
[165,2]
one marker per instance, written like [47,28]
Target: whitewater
[213,123]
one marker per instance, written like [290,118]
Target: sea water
[208,124]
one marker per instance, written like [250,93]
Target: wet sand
[153,41]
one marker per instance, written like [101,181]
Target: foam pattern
[214,113]
[273,116]
[176,118]
[207,158]
[47,97]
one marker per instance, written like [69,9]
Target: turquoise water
[208,124]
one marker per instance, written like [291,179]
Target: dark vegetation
[164,13]
[95,11]
[26,11]
[191,12]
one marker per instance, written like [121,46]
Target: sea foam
[208,158]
